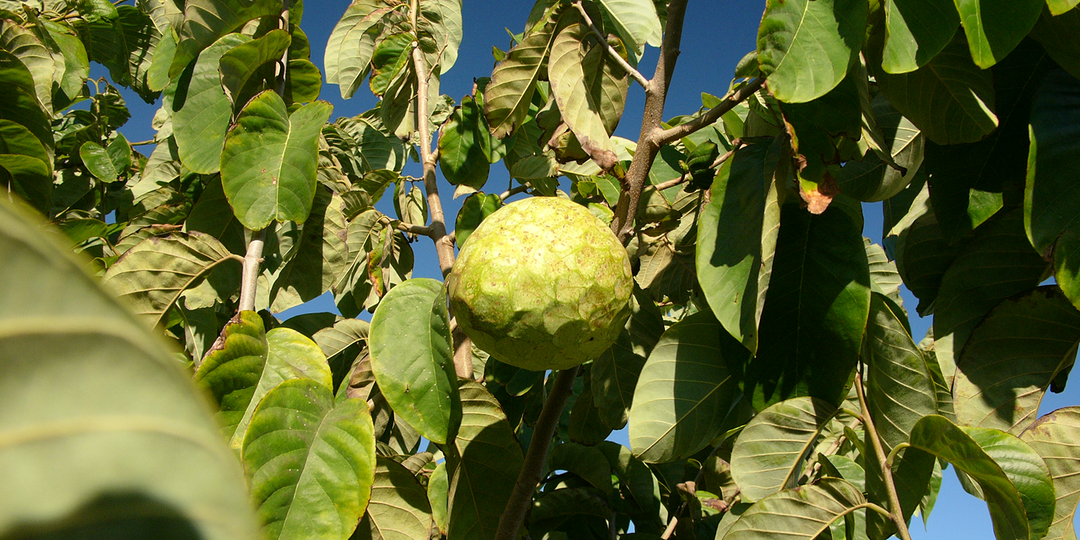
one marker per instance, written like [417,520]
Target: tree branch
[732,99]
[444,247]
[634,74]
[651,121]
[895,512]
[543,432]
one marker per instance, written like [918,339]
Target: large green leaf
[884,277]
[614,374]
[344,344]
[684,388]
[949,98]
[1014,480]
[461,157]
[104,436]
[815,310]
[28,163]
[873,179]
[900,390]
[993,29]
[207,20]
[970,182]
[268,163]
[1049,199]
[580,108]
[441,19]
[398,509]
[915,31]
[507,96]
[804,512]
[994,265]
[250,362]
[417,374]
[1012,357]
[352,42]
[736,240]
[483,466]
[1056,34]
[311,461]
[1052,436]
[771,451]
[805,46]
[153,274]
[238,64]
[20,104]
[200,109]
[635,21]
[316,256]
[33,54]
[474,209]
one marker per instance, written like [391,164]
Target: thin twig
[444,247]
[732,99]
[670,528]
[895,510]
[419,230]
[634,74]
[543,432]
[686,176]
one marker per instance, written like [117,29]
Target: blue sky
[716,35]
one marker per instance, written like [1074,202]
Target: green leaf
[1050,436]
[20,104]
[971,182]
[349,50]
[249,363]
[1055,34]
[614,374]
[1048,199]
[67,51]
[579,107]
[28,163]
[994,265]
[684,387]
[410,204]
[483,466]
[586,425]
[736,240]
[805,46]
[1013,478]
[635,21]
[873,179]
[949,98]
[303,81]
[379,259]
[398,508]
[442,20]
[316,257]
[207,20]
[507,96]
[311,461]
[33,54]
[915,31]
[993,29]
[772,449]
[110,409]
[1012,357]
[417,374]
[153,274]
[815,310]
[804,512]
[268,163]
[200,109]
[884,278]
[97,162]
[213,216]
[239,63]
[461,156]
[587,462]
[474,209]
[344,344]
[437,492]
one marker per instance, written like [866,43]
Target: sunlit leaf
[805,46]
[915,31]
[398,508]
[1012,357]
[461,157]
[130,445]
[684,388]
[269,159]
[635,21]
[239,63]
[311,461]
[417,374]
[248,362]
[207,20]
[1050,436]
[507,97]
[153,274]
[994,29]
[803,512]
[351,45]
[771,451]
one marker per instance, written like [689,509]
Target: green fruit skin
[542,284]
